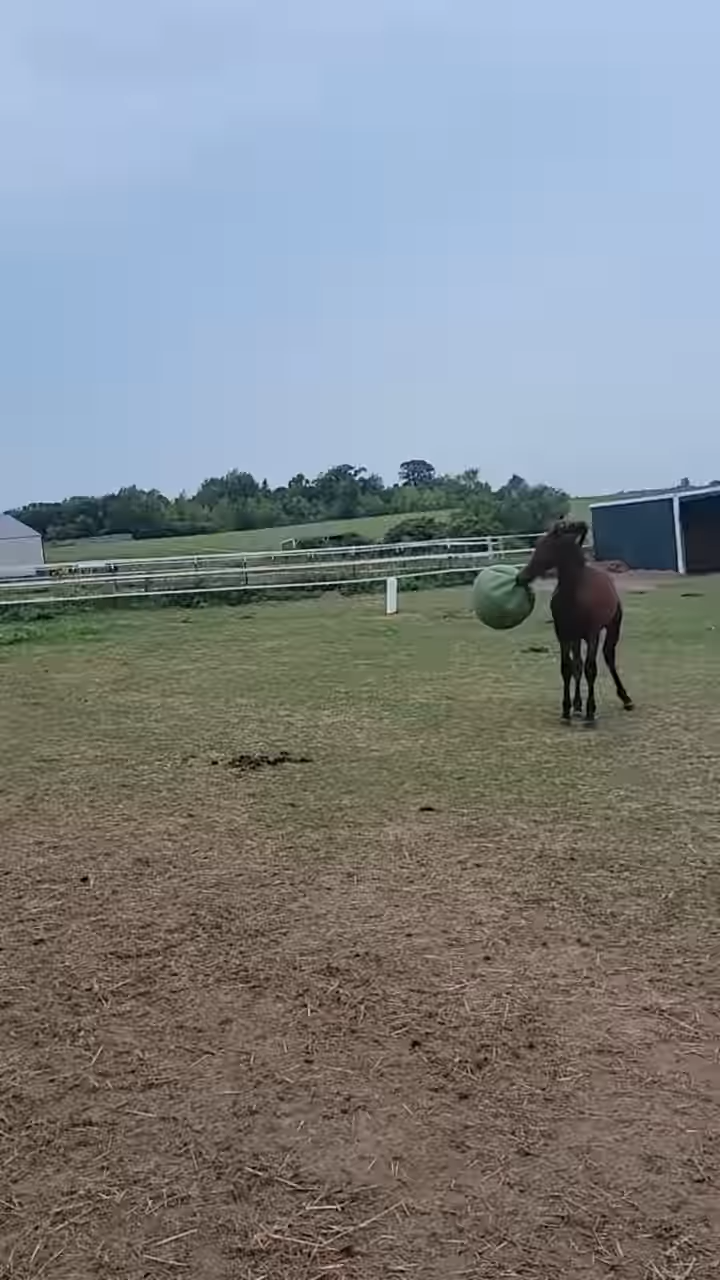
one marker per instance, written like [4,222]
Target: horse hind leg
[612,635]
[577,676]
[566,667]
[591,677]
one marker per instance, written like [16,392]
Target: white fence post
[391,596]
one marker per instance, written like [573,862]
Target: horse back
[591,608]
[598,595]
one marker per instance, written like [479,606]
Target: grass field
[580,507]
[435,997]
[247,540]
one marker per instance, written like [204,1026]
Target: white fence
[232,572]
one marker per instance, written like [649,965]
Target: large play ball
[499,600]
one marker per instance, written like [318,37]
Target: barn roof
[682,494]
[12,528]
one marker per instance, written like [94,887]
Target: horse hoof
[566,719]
[590,722]
[629,706]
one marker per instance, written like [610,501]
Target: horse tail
[612,632]
[612,635]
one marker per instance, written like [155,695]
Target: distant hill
[373,527]
[271,539]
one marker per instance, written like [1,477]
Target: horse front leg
[567,668]
[591,669]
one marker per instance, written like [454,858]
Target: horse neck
[569,572]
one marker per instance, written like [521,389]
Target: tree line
[460,504]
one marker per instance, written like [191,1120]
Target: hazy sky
[281,234]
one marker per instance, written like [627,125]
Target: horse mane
[568,537]
[575,529]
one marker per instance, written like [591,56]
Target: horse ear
[581,531]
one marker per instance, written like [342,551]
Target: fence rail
[289,554]
[324,569]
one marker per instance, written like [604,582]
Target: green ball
[499,600]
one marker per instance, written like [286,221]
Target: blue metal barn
[678,531]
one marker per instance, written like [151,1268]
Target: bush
[416,529]
[476,519]
[333,540]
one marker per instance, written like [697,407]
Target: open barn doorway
[700,523]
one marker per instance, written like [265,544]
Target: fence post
[391,596]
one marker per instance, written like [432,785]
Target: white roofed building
[20,547]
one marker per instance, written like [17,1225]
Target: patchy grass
[328,951]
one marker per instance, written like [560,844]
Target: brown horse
[584,604]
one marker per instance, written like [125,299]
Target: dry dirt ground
[326,952]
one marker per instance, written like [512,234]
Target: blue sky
[281,234]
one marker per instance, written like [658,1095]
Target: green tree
[417,472]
